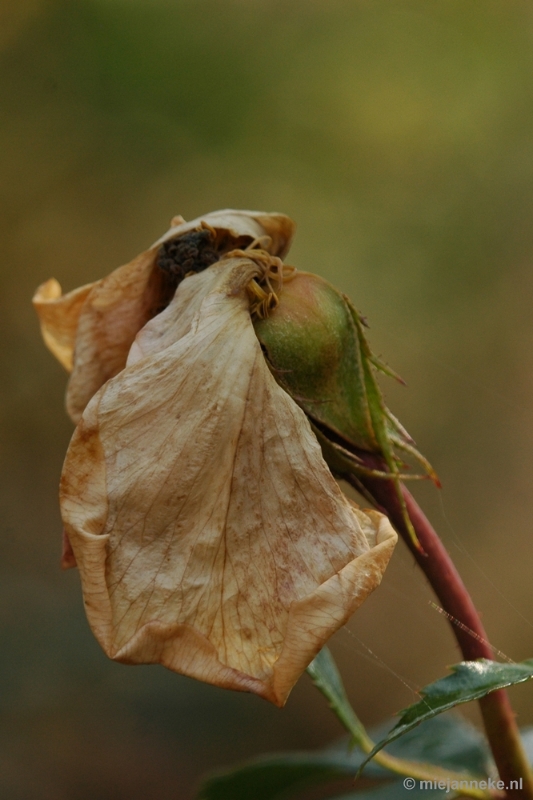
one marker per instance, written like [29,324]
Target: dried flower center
[196,251]
[192,252]
[185,255]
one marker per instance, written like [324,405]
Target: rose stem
[438,567]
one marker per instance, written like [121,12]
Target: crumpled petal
[208,530]
[115,310]
[91,329]
[176,320]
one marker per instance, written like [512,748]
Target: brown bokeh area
[400,138]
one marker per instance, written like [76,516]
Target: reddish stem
[438,567]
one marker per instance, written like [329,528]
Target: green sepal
[382,420]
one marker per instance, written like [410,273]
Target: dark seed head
[192,252]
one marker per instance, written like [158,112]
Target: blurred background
[400,138]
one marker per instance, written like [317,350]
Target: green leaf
[469,680]
[447,741]
[270,777]
[325,675]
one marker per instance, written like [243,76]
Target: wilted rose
[209,532]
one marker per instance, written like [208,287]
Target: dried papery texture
[115,310]
[176,320]
[208,530]
[59,316]
[91,329]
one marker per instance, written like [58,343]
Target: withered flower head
[209,532]
[91,329]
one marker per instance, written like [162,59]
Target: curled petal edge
[59,316]
[180,648]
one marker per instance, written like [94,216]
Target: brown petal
[68,559]
[209,533]
[114,312]
[58,315]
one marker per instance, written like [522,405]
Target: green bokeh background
[400,138]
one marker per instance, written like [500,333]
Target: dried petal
[176,320]
[68,559]
[115,310]
[59,316]
[209,533]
